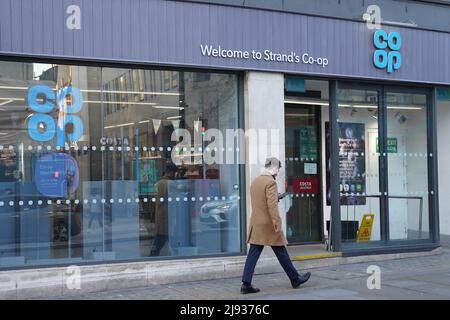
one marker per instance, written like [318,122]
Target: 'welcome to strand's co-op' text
[266,55]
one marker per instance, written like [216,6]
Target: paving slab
[409,278]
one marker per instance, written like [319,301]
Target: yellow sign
[365,231]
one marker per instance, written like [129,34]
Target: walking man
[265,228]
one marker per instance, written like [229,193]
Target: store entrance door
[303,173]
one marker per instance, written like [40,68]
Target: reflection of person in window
[74,209]
[161,212]
[7,166]
[96,209]
[70,180]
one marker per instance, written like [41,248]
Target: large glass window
[407,163]
[108,164]
[384,161]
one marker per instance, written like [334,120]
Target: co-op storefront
[92,95]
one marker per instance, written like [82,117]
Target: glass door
[303,178]
[407,164]
[384,158]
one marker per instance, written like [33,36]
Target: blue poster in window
[56,175]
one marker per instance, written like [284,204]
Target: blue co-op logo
[387,55]
[42,126]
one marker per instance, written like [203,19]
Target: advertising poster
[56,175]
[147,175]
[352,163]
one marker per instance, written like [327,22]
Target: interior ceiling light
[121,102]
[6,102]
[105,91]
[132,92]
[308,102]
[168,107]
[120,125]
[174,117]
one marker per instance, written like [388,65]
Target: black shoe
[301,279]
[248,289]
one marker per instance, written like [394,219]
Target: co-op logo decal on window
[42,127]
[387,56]
[55,174]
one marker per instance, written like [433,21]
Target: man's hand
[282,195]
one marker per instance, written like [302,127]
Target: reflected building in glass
[114,192]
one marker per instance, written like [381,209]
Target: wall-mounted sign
[306,185]
[263,55]
[311,38]
[387,56]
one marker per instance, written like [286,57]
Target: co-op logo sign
[42,126]
[387,56]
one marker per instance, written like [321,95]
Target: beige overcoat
[265,221]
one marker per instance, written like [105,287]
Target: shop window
[88,170]
[384,189]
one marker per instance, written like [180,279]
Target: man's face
[276,172]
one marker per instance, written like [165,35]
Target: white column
[264,113]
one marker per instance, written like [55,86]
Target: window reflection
[106,187]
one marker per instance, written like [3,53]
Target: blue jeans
[282,256]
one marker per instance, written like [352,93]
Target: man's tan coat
[265,221]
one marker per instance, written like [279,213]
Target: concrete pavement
[410,278]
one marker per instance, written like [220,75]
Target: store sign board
[307,45]
[266,55]
[387,56]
